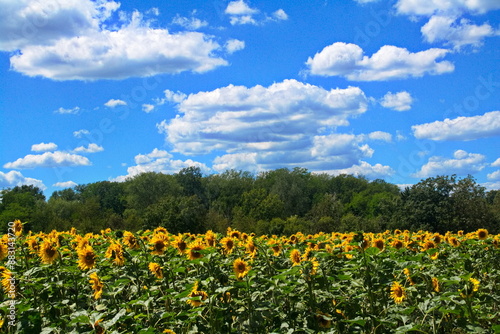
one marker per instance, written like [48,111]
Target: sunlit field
[158,282]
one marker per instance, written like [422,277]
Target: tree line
[280,201]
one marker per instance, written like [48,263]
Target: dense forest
[277,202]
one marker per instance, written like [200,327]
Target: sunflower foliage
[155,281]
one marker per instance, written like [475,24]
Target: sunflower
[295,257]
[275,246]
[240,268]
[435,284]
[130,240]
[48,252]
[115,250]
[196,296]
[160,243]
[180,244]
[227,244]
[97,285]
[4,251]
[251,249]
[210,238]
[454,242]
[156,269]
[314,266]
[7,282]
[406,271]
[398,244]
[429,244]
[398,292]
[194,250]
[482,233]
[86,258]
[475,284]
[168,331]
[33,245]
[324,319]
[379,243]
[18,227]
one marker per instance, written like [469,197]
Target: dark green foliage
[281,201]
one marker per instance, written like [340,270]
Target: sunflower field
[158,282]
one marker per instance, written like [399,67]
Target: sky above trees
[104,90]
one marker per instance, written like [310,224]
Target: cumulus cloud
[159,161]
[49,159]
[462,163]
[62,110]
[380,135]
[234,45]
[15,178]
[66,184]
[494,176]
[496,163]
[191,23]
[241,13]
[430,7]
[74,41]
[457,33]
[376,171]
[460,128]
[43,147]
[240,118]
[399,101]
[91,148]
[147,108]
[388,63]
[81,133]
[115,103]
[286,124]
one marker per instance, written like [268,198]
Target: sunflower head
[295,257]
[398,292]
[241,268]
[115,252]
[156,269]
[159,243]
[86,258]
[196,297]
[482,233]
[435,284]
[227,244]
[194,250]
[180,244]
[96,285]
[379,243]
[398,244]
[48,252]
[130,240]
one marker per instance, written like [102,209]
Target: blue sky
[104,90]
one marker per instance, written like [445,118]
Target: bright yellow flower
[227,244]
[160,243]
[130,240]
[398,292]
[156,269]
[194,250]
[48,251]
[475,284]
[179,243]
[435,284]
[18,227]
[210,238]
[295,257]
[115,250]
[4,251]
[97,285]
[379,243]
[196,296]
[86,258]
[482,233]
[241,268]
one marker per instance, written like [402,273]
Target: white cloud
[62,110]
[172,97]
[282,115]
[241,13]
[491,185]
[81,133]
[234,45]
[457,33]
[287,124]
[15,178]
[430,7]
[43,147]
[460,128]
[400,101]
[191,23]
[496,163]
[494,176]
[376,171]
[114,103]
[48,159]
[159,161]
[380,135]
[91,148]
[462,163]
[66,184]
[75,42]
[147,108]
[280,15]
[388,63]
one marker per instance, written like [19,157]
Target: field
[157,282]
